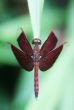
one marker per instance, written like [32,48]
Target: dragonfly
[38,58]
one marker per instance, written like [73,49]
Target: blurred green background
[56,86]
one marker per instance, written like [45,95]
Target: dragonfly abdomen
[36,86]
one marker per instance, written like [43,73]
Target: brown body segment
[36,83]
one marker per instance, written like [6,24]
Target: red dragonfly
[36,58]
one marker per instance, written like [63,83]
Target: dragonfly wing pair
[24,56]
[47,52]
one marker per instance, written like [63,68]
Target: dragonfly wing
[48,61]
[24,44]
[48,45]
[24,60]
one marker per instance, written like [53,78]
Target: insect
[36,58]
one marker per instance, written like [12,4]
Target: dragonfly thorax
[36,53]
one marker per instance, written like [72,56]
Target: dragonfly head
[36,41]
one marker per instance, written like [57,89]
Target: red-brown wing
[48,61]
[24,44]
[48,45]
[24,60]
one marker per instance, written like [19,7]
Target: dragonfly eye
[32,57]
[36,41]
[40,57]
